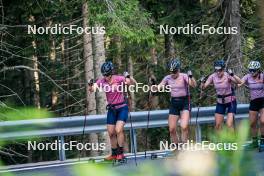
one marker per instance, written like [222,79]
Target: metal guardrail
[66,126]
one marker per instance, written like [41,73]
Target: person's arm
[241,84]
[206,83]
[91,85]
[128,79]
[234,78]
[243,81]
[162,84]
[192,81]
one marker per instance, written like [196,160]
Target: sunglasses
[252,70]
[106,75]
[174,71]
[219,70]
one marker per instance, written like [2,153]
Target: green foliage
[28,113]
[123,18]
[248,7]
[136,23]
[238,162]
[92,169]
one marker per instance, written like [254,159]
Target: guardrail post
[62,155]
[133,138]
[198,133]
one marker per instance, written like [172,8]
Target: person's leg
[120,134]
[122,117]
[254,109]
[230,121]
[112,136]
[219,119]
[262,126]
[174,114]
[219,116]
[172,121]
[113,141]
[111,121]
[185,117]
[231,111]
[253,119]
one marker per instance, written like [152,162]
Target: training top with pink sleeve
[113,92]
[256,87]
[179,86]
[223,86]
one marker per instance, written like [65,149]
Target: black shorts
[113,115]
[230,107]
[256,104]
[178,104]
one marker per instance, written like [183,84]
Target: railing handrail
[65,126]
[62,126]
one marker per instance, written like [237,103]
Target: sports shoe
[252,145]
[111,158]
[120,156]
[261,141]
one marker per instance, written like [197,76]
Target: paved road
[66,169]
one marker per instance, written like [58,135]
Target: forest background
[51,71]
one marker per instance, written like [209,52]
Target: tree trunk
[36,77]
[99,59]
[54,91]
[260,11]
[131,94]
[233,43]
[65,60]
[154,100]
[89,74]
[117,59]
[169,46]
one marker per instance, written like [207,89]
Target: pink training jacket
[178,85]
[223,86]
[256,87]
[113,95]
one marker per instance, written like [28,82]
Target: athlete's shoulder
[184,74]
[246,76]
[119,78]
[100,81]
[226,74]
[167,77]
[213,75]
